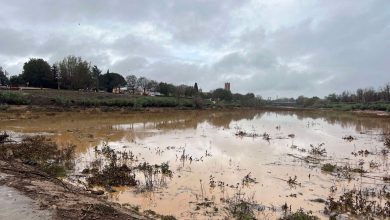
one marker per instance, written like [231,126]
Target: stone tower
[227,86]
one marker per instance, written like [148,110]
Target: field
[66,98]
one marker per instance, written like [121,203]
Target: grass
[13,98]
[300,215]
[55,170]
[91,99]
[357,106]
[328,167]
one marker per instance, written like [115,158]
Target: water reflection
[89,128]
[208,138]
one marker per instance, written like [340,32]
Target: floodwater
[209,161]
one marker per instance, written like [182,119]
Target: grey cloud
[323,47]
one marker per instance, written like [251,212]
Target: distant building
[227,86]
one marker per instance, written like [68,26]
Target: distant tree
[311,101]
[17,80]
[196,89]
[189,91]
[332,98]
[301,100]
[96,72]
[163,88]
[109,81]
[152,86]
[166,89]
[3,77]
[385,92]
[180,90]
[131,83]
[75,73]
[142,83]
[37,73]
[55,71]
[369,95]
[222,94]
[359,95]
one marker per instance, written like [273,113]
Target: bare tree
[142,82]
[131,83]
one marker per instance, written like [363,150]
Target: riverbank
[35,167]
[64,200]
[50,100]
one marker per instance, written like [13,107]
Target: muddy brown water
[208,137]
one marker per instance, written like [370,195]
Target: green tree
[17,80]
[37,73]
[109,81]
[75,73]
[56,73]
[189,91]
[96,72]
[3,77]
[222,94]
[196,89]
[152,86]
[166,89]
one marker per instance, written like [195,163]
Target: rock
[97,192]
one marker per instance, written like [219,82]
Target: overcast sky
[272,48]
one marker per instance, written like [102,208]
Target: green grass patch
[300,215]
[13,98]
[328,167]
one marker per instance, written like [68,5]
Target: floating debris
[349,138]
[245,134]
[317,150]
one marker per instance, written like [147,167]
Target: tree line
[74,73]
[71,73]
[363,96]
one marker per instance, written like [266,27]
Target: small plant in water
[328,167]
[387,142]
[317,150]
[300,214]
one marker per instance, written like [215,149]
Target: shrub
[13,98]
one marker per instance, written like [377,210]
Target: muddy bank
[52,109]
[15,205]
[65,201]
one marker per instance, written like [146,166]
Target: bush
[13,98]
[300,215]
[328,167]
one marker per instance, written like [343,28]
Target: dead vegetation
[246,134]
[40,151]
[349,138]
[120,171]
[32,166]
[387,142]
[241,206]
[317,150]
[300,214]
[371,203]
[3,137]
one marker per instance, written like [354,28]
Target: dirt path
[14,205]
[59,199]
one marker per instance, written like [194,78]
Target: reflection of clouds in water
[161,137]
